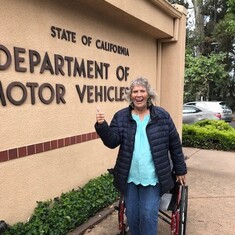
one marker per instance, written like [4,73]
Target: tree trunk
[199,25]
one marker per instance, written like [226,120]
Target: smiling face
[139,97]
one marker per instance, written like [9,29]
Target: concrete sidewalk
[211,209]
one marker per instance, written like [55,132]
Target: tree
[210,51]
[199,31]
[204,77]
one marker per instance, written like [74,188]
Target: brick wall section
[10,154]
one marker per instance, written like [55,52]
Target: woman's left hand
[181,179]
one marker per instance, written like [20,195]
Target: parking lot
[232,124]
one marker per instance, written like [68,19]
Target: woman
[149,146]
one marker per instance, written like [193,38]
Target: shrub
[209,134]
[71,209]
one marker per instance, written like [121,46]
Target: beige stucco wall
[139,26]
[172,71]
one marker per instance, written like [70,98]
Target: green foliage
[201,75]
[209,134]
[61,215]
[231,6]
[213,33]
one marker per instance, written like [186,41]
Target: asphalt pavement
[232,124]
[211,201]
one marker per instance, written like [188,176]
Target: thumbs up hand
[100,118]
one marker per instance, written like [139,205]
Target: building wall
[48,143]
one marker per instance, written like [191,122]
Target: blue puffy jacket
[164,142]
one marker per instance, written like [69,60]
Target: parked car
[192,114]
[220,108]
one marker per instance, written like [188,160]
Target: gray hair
[140,81]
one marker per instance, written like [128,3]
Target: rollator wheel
[183,210]
[122,221]
[124,233]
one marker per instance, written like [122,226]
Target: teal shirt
[142,169]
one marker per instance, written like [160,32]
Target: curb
[90,223]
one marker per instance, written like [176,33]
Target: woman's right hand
[99,116]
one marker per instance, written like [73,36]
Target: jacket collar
[153,112]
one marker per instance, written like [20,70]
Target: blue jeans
[142,206]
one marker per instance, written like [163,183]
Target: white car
[192,114]
[220,108]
